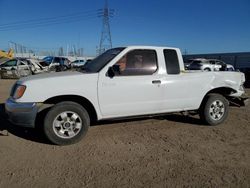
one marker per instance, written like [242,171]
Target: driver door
[133,91]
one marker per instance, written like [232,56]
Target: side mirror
[112,71]
[116,69]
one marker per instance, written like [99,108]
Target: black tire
[214,109]
[61,128]
[207,69]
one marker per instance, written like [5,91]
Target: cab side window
[212,62]
[172,62]
[219,63]
[138,62]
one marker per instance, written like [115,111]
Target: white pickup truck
[120,83]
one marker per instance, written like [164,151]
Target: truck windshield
[99,62]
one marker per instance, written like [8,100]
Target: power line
[49,18]
[46,24]
[48,21]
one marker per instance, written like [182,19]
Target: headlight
[19,91]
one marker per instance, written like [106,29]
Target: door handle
[156,82]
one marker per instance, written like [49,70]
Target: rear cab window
[171,61]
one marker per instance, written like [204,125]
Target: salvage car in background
[35,66]
[15,68]
[20,67]
[78,63]
[57,63]
[209,65]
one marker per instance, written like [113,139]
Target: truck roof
[150,47]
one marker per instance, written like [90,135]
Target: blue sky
[196,26]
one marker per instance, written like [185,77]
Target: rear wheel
[207,69]
[66,123]
[214,109]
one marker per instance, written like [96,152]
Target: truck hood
[55,75]
[41,87]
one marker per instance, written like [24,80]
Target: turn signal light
[20,89]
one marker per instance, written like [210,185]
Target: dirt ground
[168,151]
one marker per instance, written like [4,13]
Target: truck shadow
[25,133]
[193,121]
[184,119]
[37,135]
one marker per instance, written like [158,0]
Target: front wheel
[214,109]
[66,123]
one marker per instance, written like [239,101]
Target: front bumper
[22,114]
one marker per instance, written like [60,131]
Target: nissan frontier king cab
[120,83]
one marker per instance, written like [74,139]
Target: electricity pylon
[105,42]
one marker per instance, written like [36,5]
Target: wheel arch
[224,91]
[207,69]
[74,98]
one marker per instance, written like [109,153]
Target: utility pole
[60,51]
[14,47]
[105,42]
[185,51]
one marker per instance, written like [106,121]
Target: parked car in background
[35,66]
[78,63]
[15,68]
[187,63]
[209,65]
[57,63]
